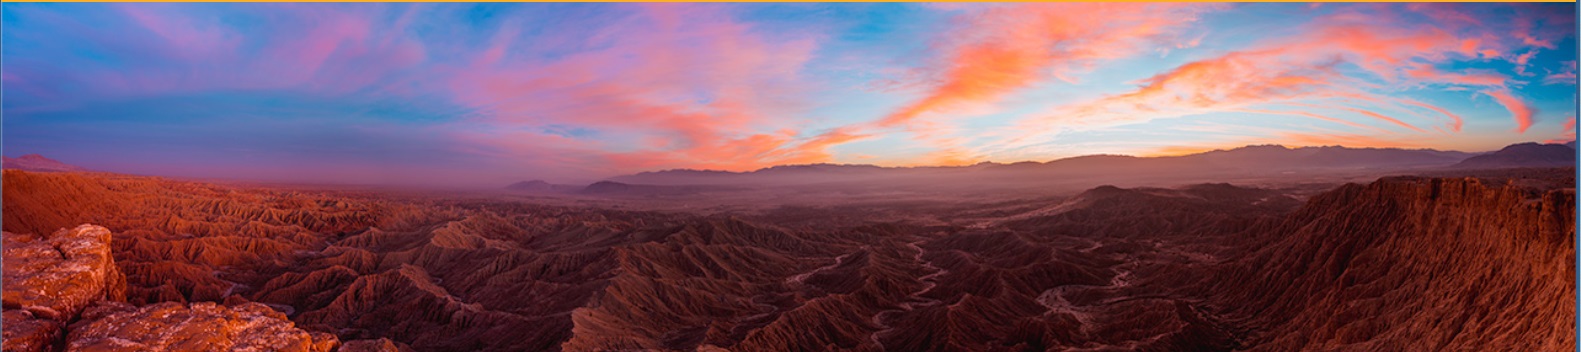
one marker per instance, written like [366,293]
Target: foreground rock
[26,333]
[200,327]
[1409,263]
[379,345]
[49,280]
[56,277]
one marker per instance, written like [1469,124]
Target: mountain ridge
[1523,155]
[1249,147]
[35,162]
[1250,159]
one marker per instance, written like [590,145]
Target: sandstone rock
[49,280]
[1413,263]
[380,345]
[199,327]
[26,333]
[323,341]
[55,277]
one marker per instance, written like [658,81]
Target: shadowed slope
[1412,263]
[1523,155]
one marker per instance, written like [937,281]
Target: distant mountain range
[609,188]
[1248,160]
[540,186]
[35,162]
[1245,162]
[1523,155]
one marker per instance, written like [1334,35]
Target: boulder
[49,280]
[202,326]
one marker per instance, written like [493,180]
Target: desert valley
[788,176]
[1259,248]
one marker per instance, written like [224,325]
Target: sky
[497,93]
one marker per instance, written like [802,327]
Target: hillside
[1523,155]
[35,162]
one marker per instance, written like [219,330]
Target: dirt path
[912,300]
[798,278]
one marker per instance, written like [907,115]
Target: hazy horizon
[492,185]
[497,93]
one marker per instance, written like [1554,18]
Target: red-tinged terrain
[35,162]
[1451,260]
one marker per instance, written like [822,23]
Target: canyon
[1451,259]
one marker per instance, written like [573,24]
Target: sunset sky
[492,93]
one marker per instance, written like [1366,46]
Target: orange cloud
[1456,121]
[1518,109]
[815,150]
[1288,139]
[1384,118]
[700,107]
[1231,82]
[1302,70]
[1349,140]
[1179,150]
[1006,48]
[1312,115]
[1569,134]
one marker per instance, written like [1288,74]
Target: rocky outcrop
[70,277]
[49,280]
[185,241]
[203,326]
[27,333]
[1412,264]
[55,277]
[378,345]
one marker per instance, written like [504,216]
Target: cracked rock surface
[49,280]
[202,326]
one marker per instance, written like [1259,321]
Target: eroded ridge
[1383,265]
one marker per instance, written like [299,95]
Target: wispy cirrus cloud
[1359,63]
[725,102]
[997,50]
[994,51]
[1518,108]
[497,92]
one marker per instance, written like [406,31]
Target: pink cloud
[1522,60]
[700,107]
[1560,78]
[1566,75]
[1457,121]
[1302,68]
[315,49]
[1312,115]
[1518,108]
[1428,74]
[1384,118]
[1569,134]
[190,39]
